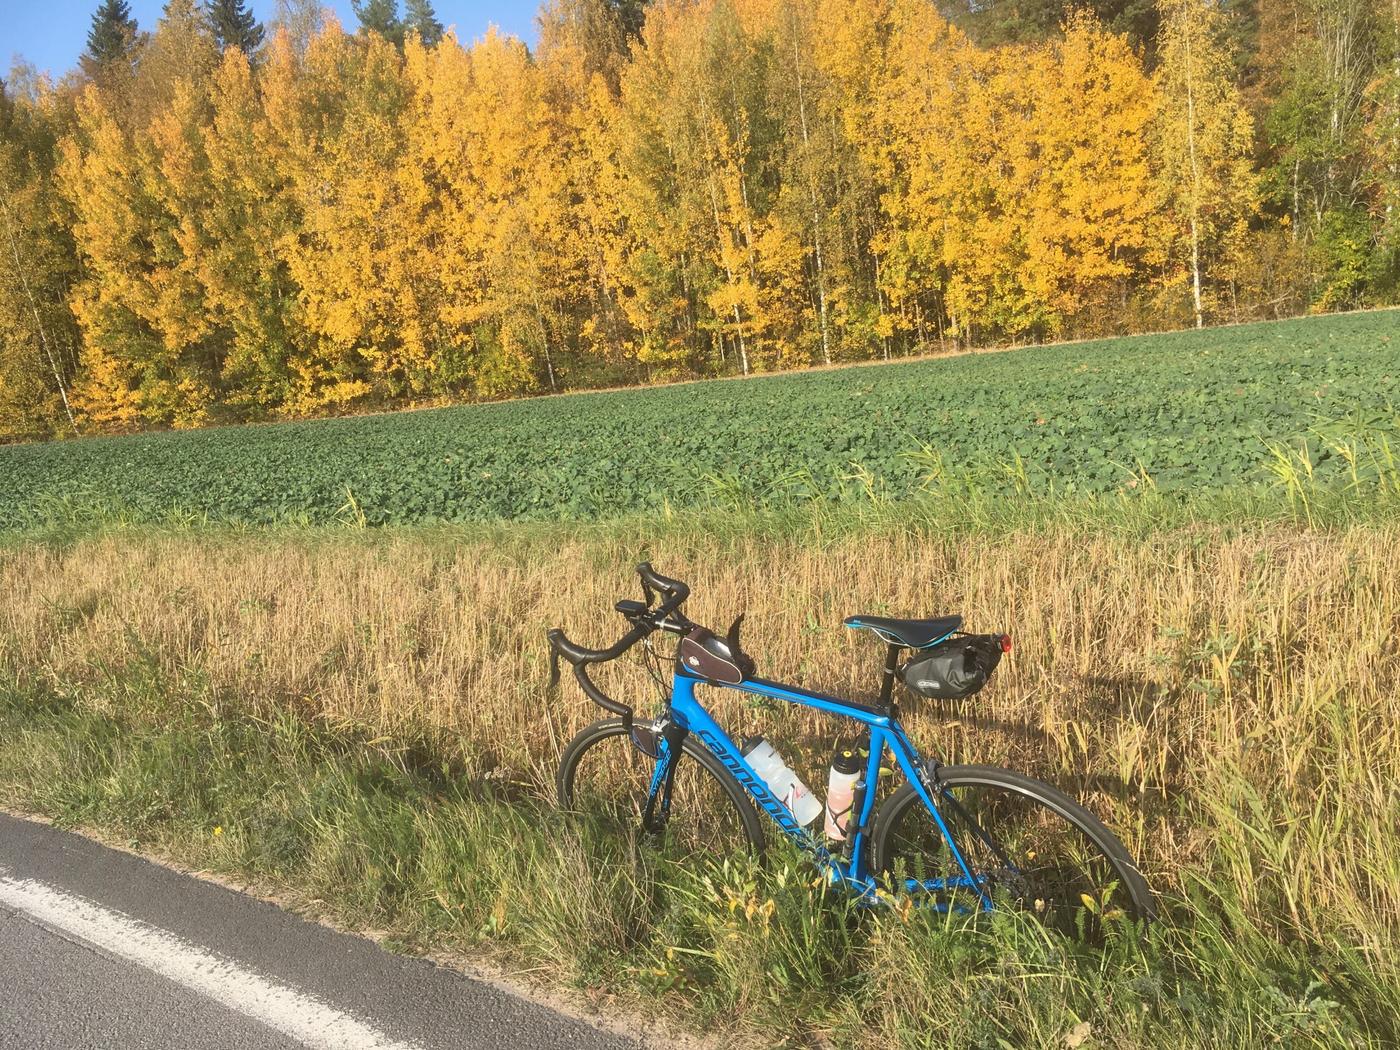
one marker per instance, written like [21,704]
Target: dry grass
[1227,701]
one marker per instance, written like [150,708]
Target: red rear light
[1006,643]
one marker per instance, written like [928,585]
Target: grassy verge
[363,715]
[945,508]
[386,841]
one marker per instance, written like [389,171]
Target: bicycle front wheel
[604,779]
[1027,845]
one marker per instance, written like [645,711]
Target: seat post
[887,684]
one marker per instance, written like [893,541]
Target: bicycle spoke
[608,781]
[1021,852]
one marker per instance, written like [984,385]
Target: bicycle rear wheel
[604,779]
[1027,844]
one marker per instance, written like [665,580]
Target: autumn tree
[1383,135]
[101,180]
[339,124]
[583,49]
[181,53]
[1096,229]
[38,340]
[301,20]
[252,225]
[668,189]
[503,237]
[858,54]
[1203,140]
[135,176]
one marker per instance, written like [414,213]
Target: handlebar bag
[955,669]
[714,659]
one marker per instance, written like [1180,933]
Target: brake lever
[553,668]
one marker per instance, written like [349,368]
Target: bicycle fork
[664,746]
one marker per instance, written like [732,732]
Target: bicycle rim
[1026,846]
[604,779]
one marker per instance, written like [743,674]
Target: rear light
[1006,643]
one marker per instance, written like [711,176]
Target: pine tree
[419,17]
[235,26]
[991,22]
[632,14]
[380,17]
[112,36]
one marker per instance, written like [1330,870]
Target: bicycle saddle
[912,634]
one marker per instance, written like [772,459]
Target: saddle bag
[955,669]
[702,654]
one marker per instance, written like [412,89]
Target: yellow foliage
[752,184]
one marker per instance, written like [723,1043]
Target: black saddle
[912,634]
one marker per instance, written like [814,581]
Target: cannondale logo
[755,787]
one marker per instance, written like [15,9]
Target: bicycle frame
[688,715]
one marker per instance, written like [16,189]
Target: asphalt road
[99,949]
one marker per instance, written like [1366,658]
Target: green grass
[1296,497]
[1184,413]
[392,835]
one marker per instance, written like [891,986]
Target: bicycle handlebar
[653,583]
[653,580]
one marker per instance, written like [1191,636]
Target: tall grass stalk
[365,713]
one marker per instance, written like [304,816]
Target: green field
[1191,411]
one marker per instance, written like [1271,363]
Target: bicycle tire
[611,730]
[1135,898]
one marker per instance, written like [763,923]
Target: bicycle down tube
[884,732]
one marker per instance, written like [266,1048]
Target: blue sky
[52,33]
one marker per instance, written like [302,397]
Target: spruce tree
[380,16]
[632,14]
[419,17]
[235,26]
[112,34]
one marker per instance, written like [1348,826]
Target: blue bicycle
[960,838]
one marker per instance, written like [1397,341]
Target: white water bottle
[841,793]
[782,781]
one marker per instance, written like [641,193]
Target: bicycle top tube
[864,713]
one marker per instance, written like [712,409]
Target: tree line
[216,220]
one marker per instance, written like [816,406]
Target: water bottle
[841,793]
[781,780]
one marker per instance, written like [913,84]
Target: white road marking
[303,1018]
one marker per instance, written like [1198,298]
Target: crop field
[1183,412]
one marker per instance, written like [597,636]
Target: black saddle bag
[955,669]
